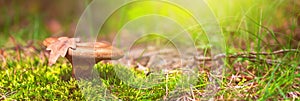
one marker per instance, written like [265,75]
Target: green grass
[31,78]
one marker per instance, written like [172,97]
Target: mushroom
[85,55]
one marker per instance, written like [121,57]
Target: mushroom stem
[83,68]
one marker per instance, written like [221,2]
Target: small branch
[167,90]
[192,92]
[16,46]
[276,52]
[4,61]
[250,55]
[4,96]
[268,61]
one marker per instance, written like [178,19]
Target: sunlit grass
[31,78]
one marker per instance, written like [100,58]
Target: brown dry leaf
[60,48]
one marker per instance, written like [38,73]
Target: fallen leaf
[60,48]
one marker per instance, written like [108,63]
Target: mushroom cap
[97,50]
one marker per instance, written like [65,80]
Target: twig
[167,90]
[16,45]
[276,52]
[192,93]
[22,47]
[268,61]
[3,58]
[249,55]
[3,97]
[4,61]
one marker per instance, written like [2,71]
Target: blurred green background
[37,19]
[275,22]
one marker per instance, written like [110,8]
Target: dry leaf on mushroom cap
[59,47]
